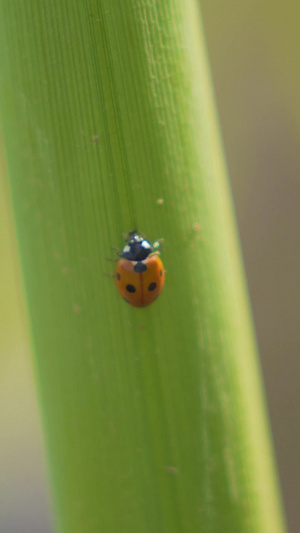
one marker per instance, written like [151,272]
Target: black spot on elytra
[140,267]
[152,286]
[130,288]
[118,276]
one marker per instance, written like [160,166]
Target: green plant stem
[153,417]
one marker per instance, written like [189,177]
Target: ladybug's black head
[137,248]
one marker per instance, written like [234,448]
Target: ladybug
[139,274]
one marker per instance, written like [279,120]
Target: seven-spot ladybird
[139,273]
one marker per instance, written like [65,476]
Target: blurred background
[253,49]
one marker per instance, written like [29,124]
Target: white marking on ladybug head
[146,245]
[126,249]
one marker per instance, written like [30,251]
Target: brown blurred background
[254,53]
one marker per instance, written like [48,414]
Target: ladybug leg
[109,275]
[111,259]
[117,252]
[156,245]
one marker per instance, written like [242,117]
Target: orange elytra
[139,274]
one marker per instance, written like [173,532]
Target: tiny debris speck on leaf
[172,469]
